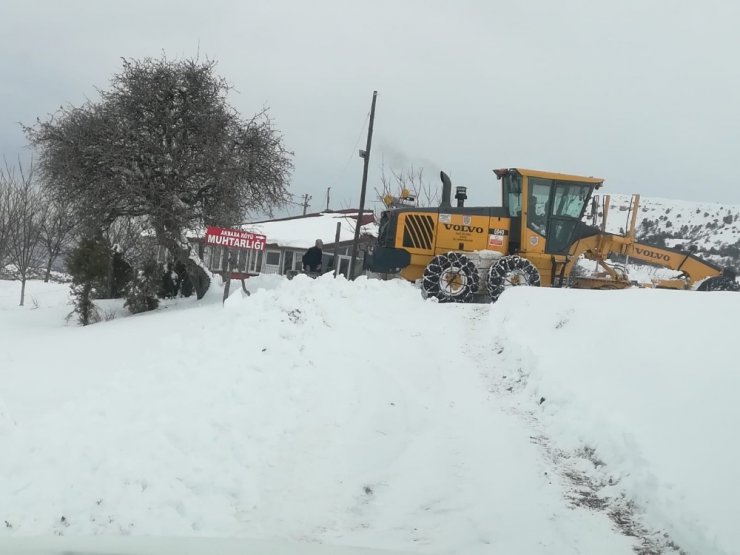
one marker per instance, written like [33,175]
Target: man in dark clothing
[170,285]
[312,258]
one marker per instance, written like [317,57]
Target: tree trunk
[47,276]
[86,307]
[198,277]
[182,251]
[110,276]
[23,290]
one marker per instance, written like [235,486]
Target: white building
[289,238]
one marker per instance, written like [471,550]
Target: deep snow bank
[647,378]
[321,411]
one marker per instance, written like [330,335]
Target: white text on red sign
[234,239]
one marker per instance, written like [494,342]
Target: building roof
[302,231]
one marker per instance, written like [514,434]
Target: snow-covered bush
[88,264]
[142,290]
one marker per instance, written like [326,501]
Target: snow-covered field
[703,225]
[355,413]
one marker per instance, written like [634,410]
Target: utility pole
[327,198]
[306,198]
[336,255]
[365,154]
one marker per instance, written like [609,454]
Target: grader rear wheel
[511,271]
[451,278]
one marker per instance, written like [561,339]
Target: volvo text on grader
[467,253]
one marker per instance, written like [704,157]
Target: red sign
[495,240]
[234,239]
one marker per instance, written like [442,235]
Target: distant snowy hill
[709,230]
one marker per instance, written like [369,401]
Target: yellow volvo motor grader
[461,253]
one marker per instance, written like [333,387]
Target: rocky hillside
[709,230]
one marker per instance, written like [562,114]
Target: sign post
[233,240]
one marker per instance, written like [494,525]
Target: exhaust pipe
[446,191]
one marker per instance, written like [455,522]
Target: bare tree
[57,230]
[5,198]
[406,188]
[26,215]
[128,236]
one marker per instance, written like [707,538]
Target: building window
[287,262]
[241,264]
[255,261]
[272,258]
[216,259]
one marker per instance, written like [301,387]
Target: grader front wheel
[451,278]
[719,283]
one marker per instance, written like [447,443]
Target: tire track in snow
[588,482]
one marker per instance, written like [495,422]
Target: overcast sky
[645,94]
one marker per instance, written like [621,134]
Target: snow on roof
[302,231]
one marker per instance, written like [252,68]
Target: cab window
[538,204]
[383,238]
[570,199]
[512,194]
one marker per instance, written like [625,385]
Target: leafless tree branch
[26,214]
[405,188]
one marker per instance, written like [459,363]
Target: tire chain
[499,270]
[719,283]
[442,262]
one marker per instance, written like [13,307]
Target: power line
[353,151]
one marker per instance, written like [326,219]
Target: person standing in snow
[170,285]
[312,258]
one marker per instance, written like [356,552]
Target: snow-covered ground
[355,413]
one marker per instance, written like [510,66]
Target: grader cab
[461,253]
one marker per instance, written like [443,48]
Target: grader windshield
[552,206]
[554,210]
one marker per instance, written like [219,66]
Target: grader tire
[719,283]
[451,278]
[511,271]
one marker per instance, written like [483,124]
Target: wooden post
[635,207]
[336,256]
[607,202]
[366,155]
[227,285]
[227,275]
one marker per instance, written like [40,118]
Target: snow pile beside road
[317,411]
[645,382]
